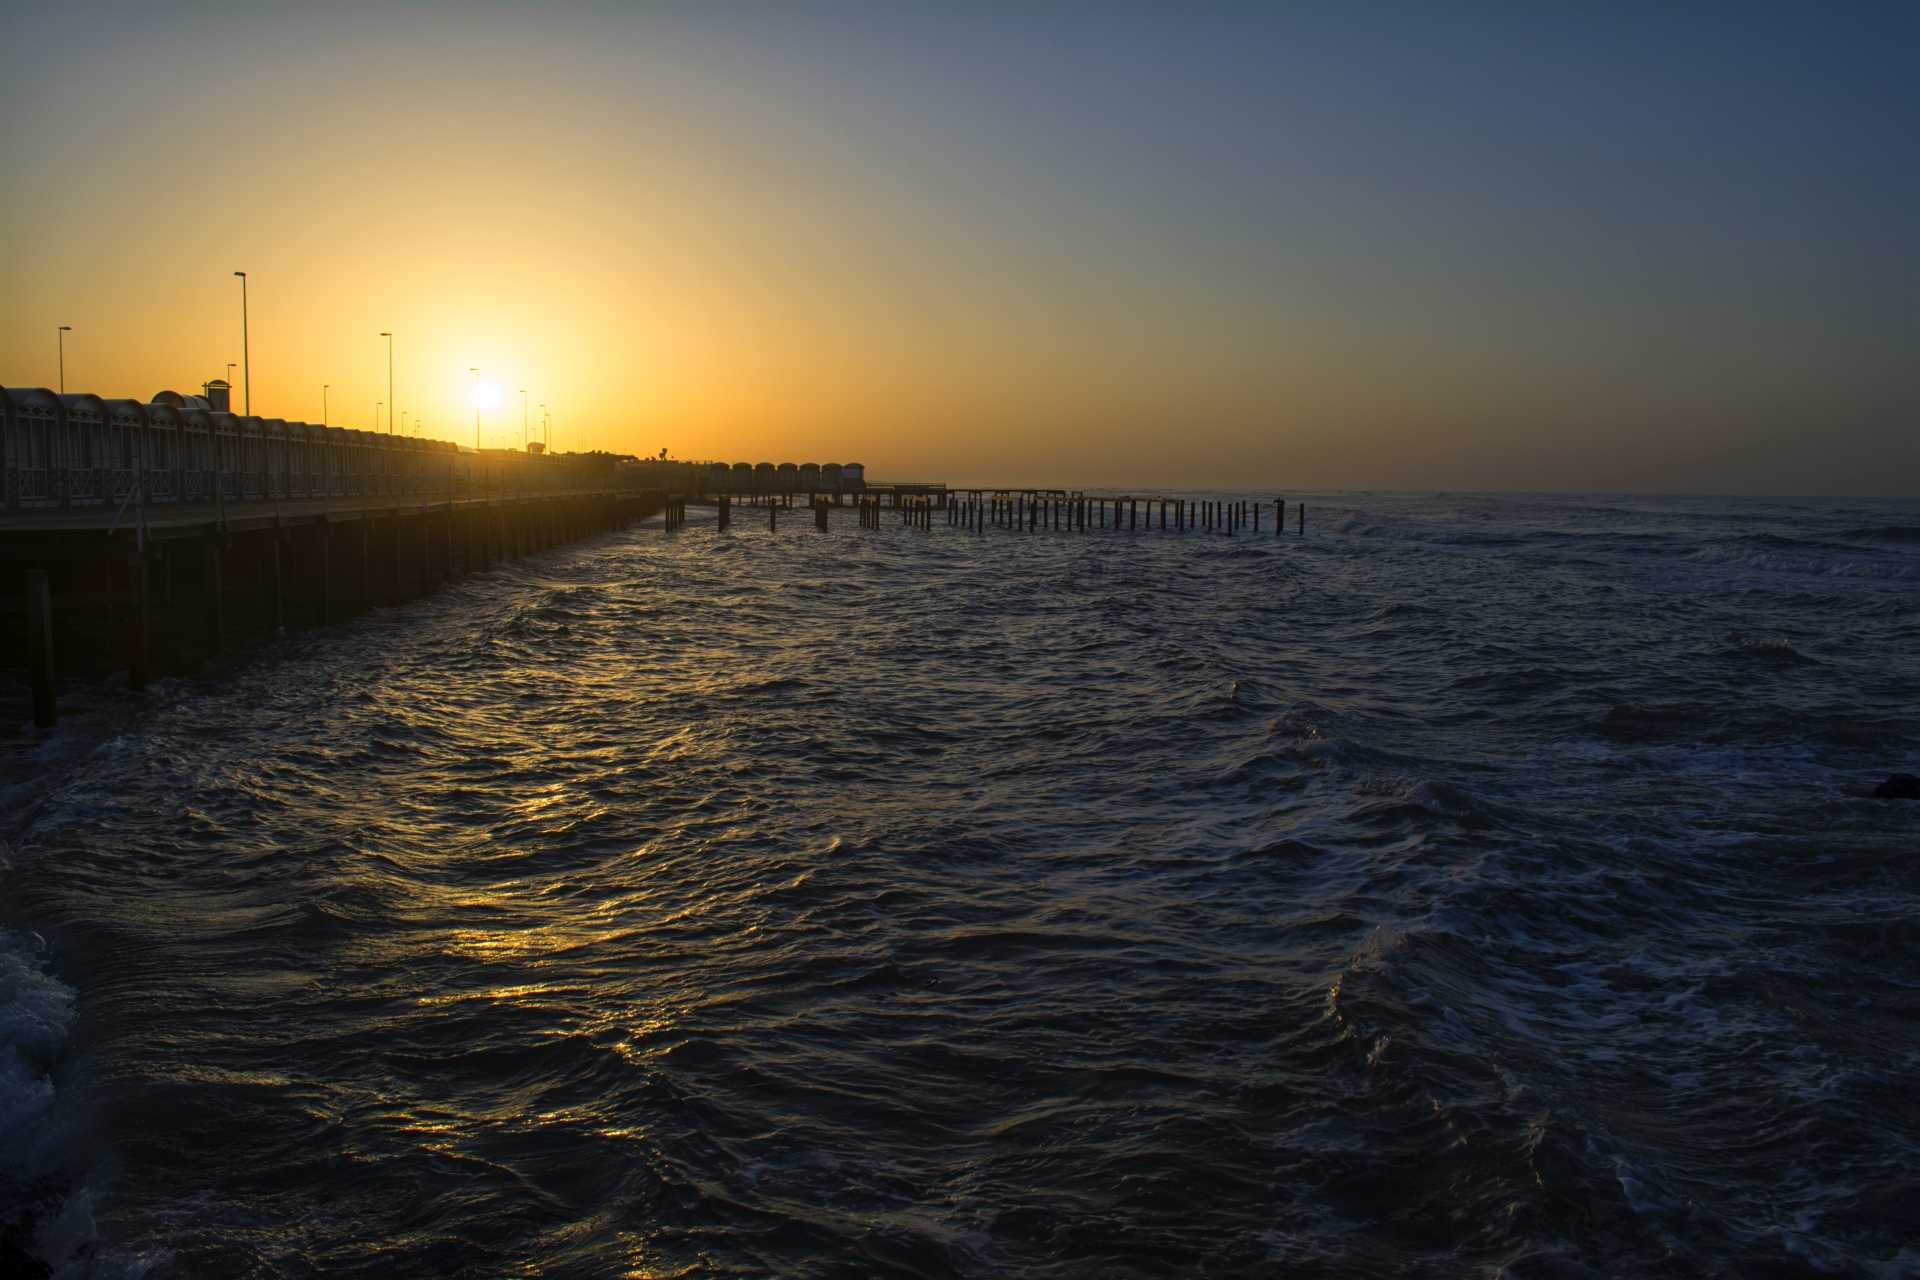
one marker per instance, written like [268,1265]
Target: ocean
[1477,886]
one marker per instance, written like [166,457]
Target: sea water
[1473,886]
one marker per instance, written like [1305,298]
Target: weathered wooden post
[276,580]
[366,561]
[820,517]
[428,579]
[1133,514]
[773,518]
[213,588]
[725,509]
[1301,507]
[40,646]
[139,621]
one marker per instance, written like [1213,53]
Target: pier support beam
[323,571]
[213,586]
[276,582]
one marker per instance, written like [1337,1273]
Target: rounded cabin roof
[83,403]
[121,409]
[28,402]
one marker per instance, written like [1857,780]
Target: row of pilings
[159,600]
[1035,511]
[1079,513]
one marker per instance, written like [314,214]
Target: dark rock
[1898,786]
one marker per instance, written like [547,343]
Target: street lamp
[390,400]
[246,370]
[323,400]
[475,371]
[61,338]
[546,431]
[376,413]
[523,419]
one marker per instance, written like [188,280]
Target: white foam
[36,1010]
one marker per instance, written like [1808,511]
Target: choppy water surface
[930,904]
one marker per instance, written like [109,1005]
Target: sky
[1623,246]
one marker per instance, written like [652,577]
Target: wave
[1884,533]
[46,1218]
[1776,553]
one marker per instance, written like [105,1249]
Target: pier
[148,538]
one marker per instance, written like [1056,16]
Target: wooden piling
[277,582]
[213,588]
[323,564]
[1301,507]
[366,563]
[139,621]
[40,646]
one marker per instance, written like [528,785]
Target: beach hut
[254,433]
[809,477]
[117,454]
[226,454]
[197,465]
[159,454]
[32,428]
[334,461]
[830,477]
[789,478]
[853,477]
[280,458]
[83,424]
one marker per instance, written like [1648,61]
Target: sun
[486,395]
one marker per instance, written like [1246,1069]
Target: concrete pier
[82,595]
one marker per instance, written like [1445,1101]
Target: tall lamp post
[475,371]
[546,431]
[390,399]
[523,419]
[246,369]
[323,402]
[61,338]
[376,413]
